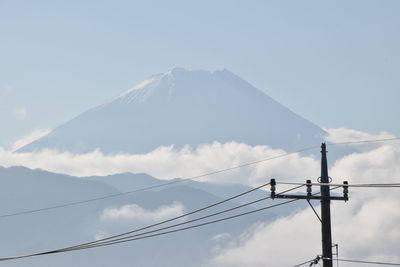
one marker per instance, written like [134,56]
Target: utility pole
[325,211]
[325,199]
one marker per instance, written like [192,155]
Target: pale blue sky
[334,62]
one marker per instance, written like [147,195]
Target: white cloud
[167,163]
[118,219]
[20,113]
[337,135]
[284,242]
[135,213]
[26,139]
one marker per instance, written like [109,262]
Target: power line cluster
[138,234]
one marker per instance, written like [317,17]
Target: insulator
[309,189]
[345,187]
[273,185]
[346,190]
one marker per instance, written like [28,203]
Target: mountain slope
[180,108]
[24,189]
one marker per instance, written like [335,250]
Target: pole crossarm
[309,197]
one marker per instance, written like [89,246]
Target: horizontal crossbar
[308,197]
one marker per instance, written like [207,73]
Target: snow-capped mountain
[183,107]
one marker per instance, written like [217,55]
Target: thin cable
[313,262]
[95,244]
[114,238]
[364,141]
[84,201]
[370,262]
[303,263]
[153,235]
[154,186]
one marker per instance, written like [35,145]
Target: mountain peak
[166,84]
[184,107]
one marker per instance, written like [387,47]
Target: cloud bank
[167,163]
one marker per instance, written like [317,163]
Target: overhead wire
[303,263]
[364,141]
[370,262]
[312,261]
[181,216]
[196,225]
[147,235]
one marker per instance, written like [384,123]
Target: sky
[333,62]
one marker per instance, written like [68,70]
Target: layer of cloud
[29,138]
[338,135]
[135,213]
[167,163]
[119,219]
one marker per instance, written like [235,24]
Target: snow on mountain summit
[166,82]
[183,107]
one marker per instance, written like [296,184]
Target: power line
[196,225]
[179,217]
[149,236]
[370,262]
[143,235]
[313,261]
[303,263]
[364,141]
[84,201]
